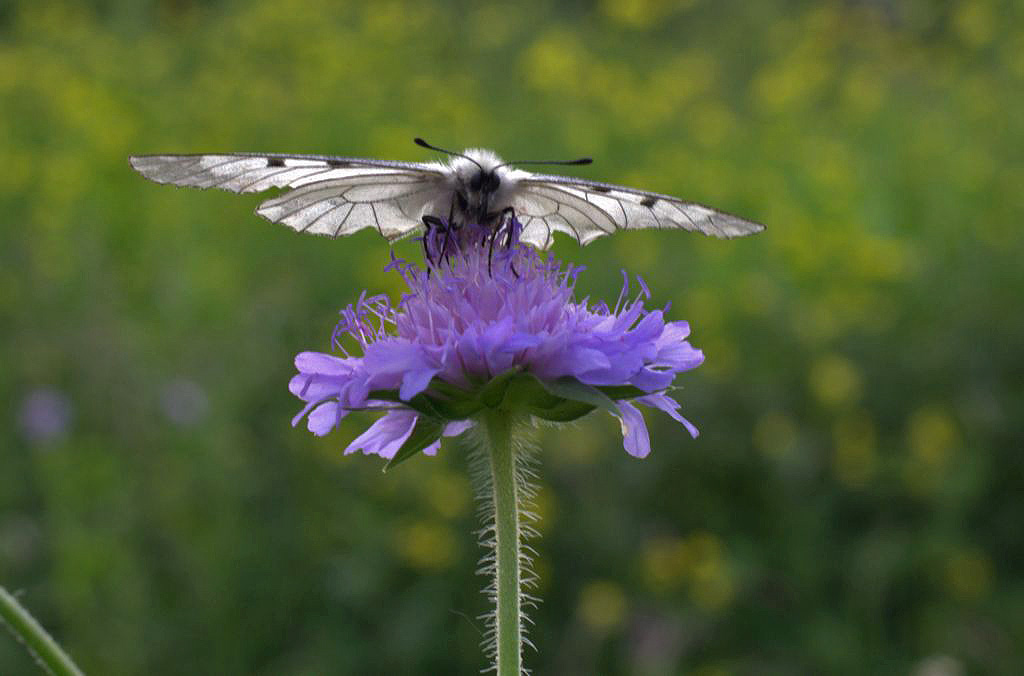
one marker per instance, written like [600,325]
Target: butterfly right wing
[331,196]
[586,210]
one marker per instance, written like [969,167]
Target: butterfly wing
[329,195]
[588,209]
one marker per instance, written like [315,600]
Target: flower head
[491,323]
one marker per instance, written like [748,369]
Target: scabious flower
[491,323]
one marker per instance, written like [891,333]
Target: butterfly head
[478,178]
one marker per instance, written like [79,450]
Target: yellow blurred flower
[602,605]
[835,380]
[427,545]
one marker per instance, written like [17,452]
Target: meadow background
[854,503]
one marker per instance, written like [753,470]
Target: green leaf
[425,432]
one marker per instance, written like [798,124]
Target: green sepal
[420,403]
[565,411]
[568,387]
[563,400]
[456,409]
[618,392]
[453,408]
[526,391]
[425,432]
[444,388]
[492,394]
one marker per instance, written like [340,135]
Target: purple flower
[45,415]
[491,323]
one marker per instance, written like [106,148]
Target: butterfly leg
[433,225]
[490,252]
[503,220]
[507,216]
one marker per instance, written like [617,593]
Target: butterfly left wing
[587,210]
[331,196]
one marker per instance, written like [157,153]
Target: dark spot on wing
[649,201]
[336,163]
[601,188]
[275,162]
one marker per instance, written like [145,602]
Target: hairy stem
[39,643]
[505,498]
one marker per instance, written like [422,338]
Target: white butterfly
[337,196]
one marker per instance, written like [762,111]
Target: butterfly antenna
[423,144]
[582,160]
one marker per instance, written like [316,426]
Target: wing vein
[373,208]
[316,220]
[202,169]
[345,219]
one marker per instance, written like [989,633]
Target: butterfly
[337,196]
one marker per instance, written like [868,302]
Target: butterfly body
[334,196]
[482,187]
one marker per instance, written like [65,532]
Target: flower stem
[507,535]
[39,643]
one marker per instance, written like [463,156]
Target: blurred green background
[854,503]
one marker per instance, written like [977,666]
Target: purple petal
[650,380]
[385,436]
[634,431]
[415,381]
[394,356]
[325,417]
[522,341]
[312,387]
[649,328]
[675,331]
[324,364]
[644,291]
[665,403]
[457,427]
[452,429]
[588,359]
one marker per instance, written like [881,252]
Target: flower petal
[325,417]
[589,359]
[522,341]
[324,364]
[415,381]
[452,429]
[385,436]
[457,427]
[312,387]
[650,380]
[635,438]
[665,403]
